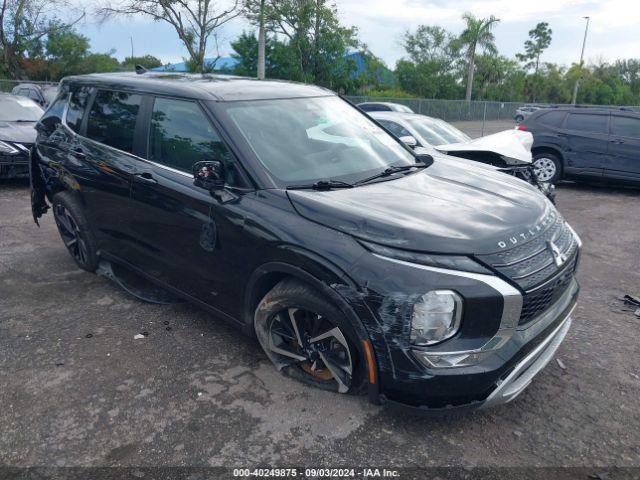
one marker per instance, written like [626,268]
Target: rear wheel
[75,231]
[307,338]
[519,118]
[547,167]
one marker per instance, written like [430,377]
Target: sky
[612,31]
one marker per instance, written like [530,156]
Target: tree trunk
[472,61]
[261,44]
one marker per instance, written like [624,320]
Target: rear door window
[625,126]
[112,119]
[588,123]
[552,119]
[77,105]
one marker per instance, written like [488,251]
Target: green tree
[281,59]
[429,43]
[23,25]
[195,21]
[99,63]
[539,41]
[477,33]
[430,70]
[313,33]
[66,50]
[147,61]
[498,78]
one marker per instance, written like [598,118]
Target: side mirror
[209,175]
[409,141]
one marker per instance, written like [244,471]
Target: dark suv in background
[585,143]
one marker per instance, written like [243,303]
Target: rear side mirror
[209,175]
[409,141]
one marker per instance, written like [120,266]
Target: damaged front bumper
[499,379]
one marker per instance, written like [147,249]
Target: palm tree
[478,32]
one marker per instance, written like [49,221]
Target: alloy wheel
[70,233]
[545,168]
[308,340]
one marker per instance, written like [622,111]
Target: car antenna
[140,69]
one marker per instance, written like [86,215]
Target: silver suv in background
[524,111]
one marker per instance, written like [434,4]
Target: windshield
[309,139]
[437,132]
[15,109]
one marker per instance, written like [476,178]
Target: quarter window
[181,135]
[587,123]
[626,126]
[77,105]
[112,119]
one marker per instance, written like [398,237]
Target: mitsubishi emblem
[558,256]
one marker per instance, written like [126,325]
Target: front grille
[537,301]
[533,268]
[14,166]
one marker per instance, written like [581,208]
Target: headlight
[7,149]
[449,262]
[436,317]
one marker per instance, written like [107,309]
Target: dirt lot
[76,388]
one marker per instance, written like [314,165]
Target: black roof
[203,87]
[588,108]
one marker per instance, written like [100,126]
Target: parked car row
[358,263]
[508,151]
[18,116]
[574,143]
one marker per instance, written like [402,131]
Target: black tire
[519,118]
[311,309]
[543,170]
[75,231]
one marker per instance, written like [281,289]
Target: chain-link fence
[476,111]
[452,110]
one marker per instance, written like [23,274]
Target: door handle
[144,177]
[617,142]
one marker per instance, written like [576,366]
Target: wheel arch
[537,149]
[268,275]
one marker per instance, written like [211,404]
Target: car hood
[18,132]
[513,145]
[448,207]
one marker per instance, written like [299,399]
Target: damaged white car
[508,151]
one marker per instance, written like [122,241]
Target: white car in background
[509,151]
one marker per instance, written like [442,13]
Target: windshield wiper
[390,171]
[321,185]
[25,121]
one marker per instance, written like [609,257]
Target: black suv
[585,143]
[359,264]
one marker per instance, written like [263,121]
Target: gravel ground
[77,389]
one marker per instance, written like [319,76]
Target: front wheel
[547,167]
[307,338]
